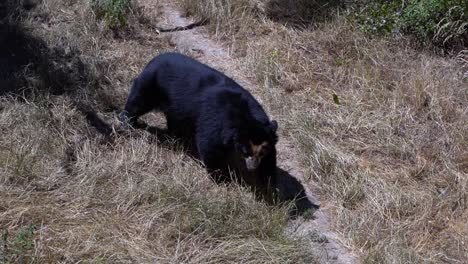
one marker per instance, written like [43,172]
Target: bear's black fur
[201,104]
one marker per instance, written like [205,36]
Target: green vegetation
[114,12]
[15,249]
[441,22]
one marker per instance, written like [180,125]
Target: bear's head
[249,131]
[259,142]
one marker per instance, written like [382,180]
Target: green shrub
[442,22]
[114,12]
[378,17]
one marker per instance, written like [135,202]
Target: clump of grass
[30,158]
[17,248]
[114,12]
[220,13]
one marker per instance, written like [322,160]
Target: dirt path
[198,43]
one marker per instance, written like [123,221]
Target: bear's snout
[251,163]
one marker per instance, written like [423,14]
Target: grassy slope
[392,156]
[69,193]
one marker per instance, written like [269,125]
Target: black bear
[229,128]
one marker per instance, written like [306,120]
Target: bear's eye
[246,151]
[261,153]
[264,150]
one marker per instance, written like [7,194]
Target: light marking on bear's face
[257,152]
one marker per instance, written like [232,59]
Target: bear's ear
[274,125]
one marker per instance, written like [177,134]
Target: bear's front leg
[139,102]
[214,158]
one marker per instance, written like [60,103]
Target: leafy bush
[114,12]
[442,22]
[378,17]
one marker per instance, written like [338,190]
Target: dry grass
[130,201]
[382,128]
[231,21]
[69,193]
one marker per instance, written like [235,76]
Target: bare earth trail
[198,43]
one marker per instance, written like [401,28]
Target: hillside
[373,127]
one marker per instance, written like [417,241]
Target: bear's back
[189,82]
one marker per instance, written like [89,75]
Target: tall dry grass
[72,190]
[129,201]
[381,127]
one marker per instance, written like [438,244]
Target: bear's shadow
[291,190]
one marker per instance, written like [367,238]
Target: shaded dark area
[26,61]
[301,13]
[94,120]
[28,66]
[16,50]
[290,189]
